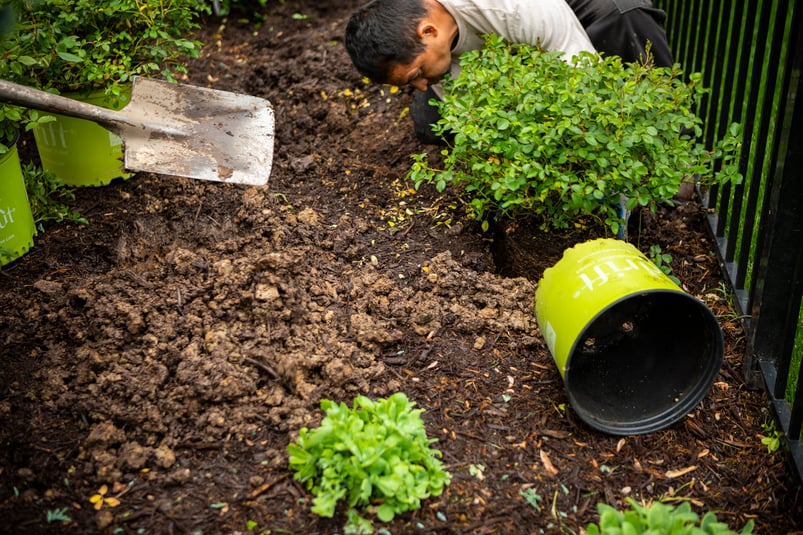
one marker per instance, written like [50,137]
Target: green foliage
[532,497]
[45,194]
[71,45]
[773,436]
[12,118]
[58,515]
[536,137]
[663,261]
[375,454]
[227,7]
[659,519]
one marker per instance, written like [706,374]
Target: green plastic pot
[17,227]
[81,152]
[636,352]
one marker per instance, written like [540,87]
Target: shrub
[71,45]
[536,137]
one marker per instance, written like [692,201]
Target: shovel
[176,129]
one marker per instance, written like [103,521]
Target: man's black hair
[383,33]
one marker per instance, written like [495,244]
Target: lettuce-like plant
[535,137]
[375,455]
[659,519]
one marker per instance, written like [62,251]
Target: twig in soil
[199,445]
[469,435]
[198,212]
[136,278]
[503,515]
[264,367]
[271,373]
[264,488]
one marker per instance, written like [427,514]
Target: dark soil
[171,349]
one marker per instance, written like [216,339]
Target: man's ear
[427,30]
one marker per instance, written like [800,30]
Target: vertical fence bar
[716,50]
[685,28]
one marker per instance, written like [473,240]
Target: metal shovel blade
[177,129]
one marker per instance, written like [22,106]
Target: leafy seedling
[659,518]
[374,456]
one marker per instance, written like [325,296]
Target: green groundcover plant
[659,519]
[375,456]
[535,137]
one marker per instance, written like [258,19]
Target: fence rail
[751,55]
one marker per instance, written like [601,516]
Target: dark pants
[624,27]
[615,27]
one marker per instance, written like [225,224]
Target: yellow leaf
[95,499]
[112,502]
[103,490]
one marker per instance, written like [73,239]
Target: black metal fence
[751,54]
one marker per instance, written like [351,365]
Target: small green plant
[45,194]
[532,497]
[375,456]
[58,515]
[659,519]
[561,143]
[663,261]
[772,437]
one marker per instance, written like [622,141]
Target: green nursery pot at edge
[17,227]
[81,152]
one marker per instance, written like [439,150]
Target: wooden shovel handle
[37,99]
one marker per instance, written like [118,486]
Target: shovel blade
[196,132]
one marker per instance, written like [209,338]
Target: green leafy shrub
[535,137]
[13,119]
[659,519]
[376,453]
[71,45]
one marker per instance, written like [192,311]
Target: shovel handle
[37,99]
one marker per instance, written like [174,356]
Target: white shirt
[551,24]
